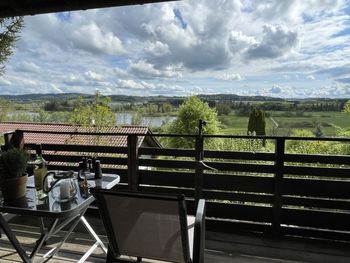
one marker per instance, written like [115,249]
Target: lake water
[126,117]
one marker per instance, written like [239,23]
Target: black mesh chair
[151,226]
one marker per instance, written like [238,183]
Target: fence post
[133,163]
[199,149]
[278,186]
[14,139]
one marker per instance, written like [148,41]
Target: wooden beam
[133,163]
[25,7]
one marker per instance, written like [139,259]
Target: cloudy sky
[290,48]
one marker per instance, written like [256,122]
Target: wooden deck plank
[221,248]
[71,251]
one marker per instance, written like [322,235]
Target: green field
[329,120]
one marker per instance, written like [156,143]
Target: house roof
[9,8]
[53,138]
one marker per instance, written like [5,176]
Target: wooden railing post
[278,186]
[14,139]
[133,163]
[199,150]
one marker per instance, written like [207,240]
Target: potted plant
[13,176]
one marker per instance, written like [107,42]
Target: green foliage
[256,123]
[223,108]
[13,163]
[6,107]
[318,131]
[58,105]
[137,118]
[314,147]
[346,108]
[62,117]
[247,145]
[97,113]
[151,109]
[21,116]
[186,122]
[9,30]
[42,116]
[166,107]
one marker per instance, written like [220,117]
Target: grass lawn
[329,120]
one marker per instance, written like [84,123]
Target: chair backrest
[145,225]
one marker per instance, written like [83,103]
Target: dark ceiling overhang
[10,8]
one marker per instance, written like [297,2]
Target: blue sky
[290,48]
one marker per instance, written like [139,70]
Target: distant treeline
[224,103]
[243,107]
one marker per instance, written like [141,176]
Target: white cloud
[142,68]
[91,75]
[91,37]
[177,48]
[134,85]
[277,41]
[120,72]
[294,11]
[276,89]
[26,66]
[230,77]
[239,42]
[345,79]
[157,49]
[4,82]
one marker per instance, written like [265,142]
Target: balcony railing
[274,193]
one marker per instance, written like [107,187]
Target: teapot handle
[46,188]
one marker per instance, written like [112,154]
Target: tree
[314,147]
[166,107]
[186,122]
[223,108]
[97,113]
[256,123]
[9,30]
[42,116]
[5,108]
[318,131]
[346,108]
[137,117]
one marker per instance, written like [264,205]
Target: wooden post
[278,186]
[133,163]
[199,149]
[14,139]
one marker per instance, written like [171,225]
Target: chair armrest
[199,233]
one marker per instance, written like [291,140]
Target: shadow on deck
[220,247]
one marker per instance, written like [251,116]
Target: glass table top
[49,207]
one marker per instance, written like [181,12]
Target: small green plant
[13,163]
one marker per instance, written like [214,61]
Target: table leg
[21,252]
[43,238]
[94,246]
[54,251]
[93,233]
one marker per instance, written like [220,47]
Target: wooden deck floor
[220,248]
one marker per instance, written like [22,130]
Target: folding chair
[151,226]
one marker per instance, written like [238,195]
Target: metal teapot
[61,184]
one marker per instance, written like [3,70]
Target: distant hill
[41,97]
[175,100]
[234,97]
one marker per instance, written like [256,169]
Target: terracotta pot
[14,188]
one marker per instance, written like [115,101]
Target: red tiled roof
[52,138]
